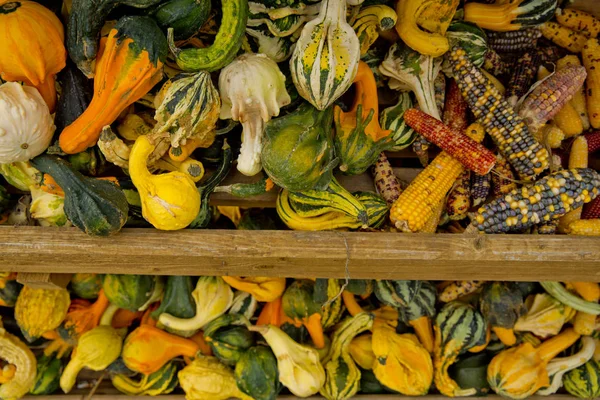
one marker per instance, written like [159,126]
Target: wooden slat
[303,254]
[44,280]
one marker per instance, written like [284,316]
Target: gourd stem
[108,314]
[351,304]
[553,346]
[335,10]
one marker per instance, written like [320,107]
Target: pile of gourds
[111,110]
[257,337]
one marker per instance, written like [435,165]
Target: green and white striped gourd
[392,118]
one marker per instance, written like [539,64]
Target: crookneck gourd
[299,305]
[31,42]
[326,56]
[545,316]
[17,354]
[262,288]
[253,90]
[369,21]
[130,63]
[501,304]
[458,328]
[40,310]
[178,302]
[359,138]
[419,313]
[229,337]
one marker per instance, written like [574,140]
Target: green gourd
[584,381]
[128,291]
[229,337]
[49,370]
[325,291]
[396,293]
[501,304]
[376,206]
[86,286]
[9,289]
[163,381]
[186,17]
[256,373]
[392,118]
[177,301]
[97,207]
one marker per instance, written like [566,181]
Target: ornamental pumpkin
[17,354]
[584,381]
[31,47]
[501,304]
[130,292]
[86,286]
[326,56]
[130,63]
[256,373]
[40,310]
[25,122]
[229,337]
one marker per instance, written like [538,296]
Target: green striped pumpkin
[584,381]
[423,304]
[392,118]
[325,290]
[377,208]
[128,291]
[229,338]
[342,376]
[397,293]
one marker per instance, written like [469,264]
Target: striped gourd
[332,312]
[342,376]
[458,328]
[326,56]
[392,118]
[163,381]
[377,208]
[396,293]
[584,381]
[471,38]
[423,304]
[510,16]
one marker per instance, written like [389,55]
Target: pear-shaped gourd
[169,201]
[252,90]
[326,56]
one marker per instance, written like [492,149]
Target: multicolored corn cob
[494,64]
[578,101]
[456,289]
[564,37]
[549,51]
[593,141]
[509,131]
[591,210]
[421,148]
[547,199]
[591,61]
[503,179]
[513,41]
[455,108]
[386,183]
[548,98]
[459,199]
[579,21]
[547,228]
[420,199]
[578,158]
[584,227]
[523,76]
[474,156]
[439,86]
[480,188]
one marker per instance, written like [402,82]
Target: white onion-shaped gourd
[252,91]
[325,60]
[26,126]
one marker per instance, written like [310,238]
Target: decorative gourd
[360,287]
[376,206]
[471,38]
[226,45]
[256,373]
[471,371]
[501,304]
[458,328]
[9,289]
[207,379]
[21,175]
[47,208]
[25,122]
[229,337]
[49,369]
[147,349]
[40,310]
[419,313]
[392,118]
[186,17]
[326,292]
[299,367]
[359,139]
[76,95]
[243,304]
[187,107]
[128,291]
[504,16]
[342,376]
[436,16]
[129,64]
[163,381]
[86,286]
[253,90]
[520,371]
[177,301]
[326,56]
[213,298]
[298,151]
[369,21]
[16,353]
[96,350]
[97,207]
[545,316]
[82,317]
[169,201]
[361,350]
[298,305]
[261,288]
[584,381]
[31,44]
[396,293]
[401,362]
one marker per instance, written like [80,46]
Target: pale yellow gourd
[169,201]
[17,354]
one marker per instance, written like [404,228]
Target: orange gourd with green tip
[82,317]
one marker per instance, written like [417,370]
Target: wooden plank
[44,280]
[303,254]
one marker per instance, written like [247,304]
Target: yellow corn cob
[578,100]
[415,206]
[553,136]
[457,289]
[579,21]
[584,227]
[578,158]
[432,223]
[564,37]
[567,119]
[591,61]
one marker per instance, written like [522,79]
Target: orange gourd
[82,317]
[31,46]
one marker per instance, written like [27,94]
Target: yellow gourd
[21,362]
[263,289]
[40,310]
[169,201]
[361,350]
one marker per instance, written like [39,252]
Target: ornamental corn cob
[494,64]
[457,289]
[420,199]
[523,76]
[455,108]
[550,96]
[578,158]
[578,101]
[591,210]
[579,21]
[547,228]
[432,223]
[503,179]
[421,148]
[386,183]
[564,37]
[474,156]
[509,132]
[591,60]
[459,199]
[545,200]
[552,136]
[513,41]
[584,227]
[593,141]
[480,188]
[549,52]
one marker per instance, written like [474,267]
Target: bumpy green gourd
[229,337]
[256,373]
[128,291]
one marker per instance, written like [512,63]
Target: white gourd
[325,60]
[26,126]
[252,91]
